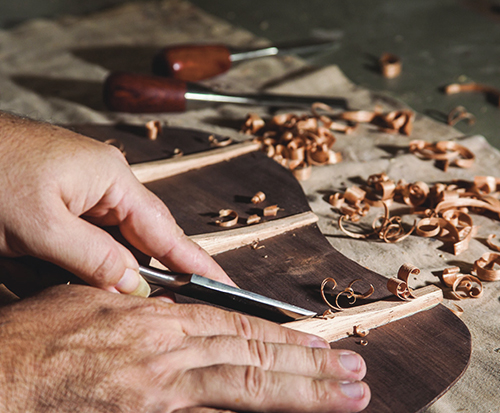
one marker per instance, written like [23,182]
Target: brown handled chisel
[134,93]
[195,62]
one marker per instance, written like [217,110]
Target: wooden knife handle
[192,62]
[127,92]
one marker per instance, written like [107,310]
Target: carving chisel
[134,93]
[194,62]
[214,292]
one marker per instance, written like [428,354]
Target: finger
[150,227]
[201,410]
[248,388]
[313,362]
[91,254]
[204,320]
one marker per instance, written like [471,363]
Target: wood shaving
[485,267]
[490,243]
[300,142]
[462,285]
[399,286]
[445,208]
[153,129]
[390,65]
[363,343]
[458,114]
[253,219]
[492,93]
[446,152]
[177,153]
[271,211]
[359,332]
[258,198]
[214,142]
[348,292]
[230,218]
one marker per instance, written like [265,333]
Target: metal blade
[214,292]
[199,93]
[306,47]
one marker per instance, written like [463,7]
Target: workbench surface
[53,70]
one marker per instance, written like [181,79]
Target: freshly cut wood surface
[154,170]
[366,317]
[411,362]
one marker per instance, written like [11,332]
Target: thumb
[93,255]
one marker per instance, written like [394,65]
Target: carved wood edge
[217,242]
[151,171]
[368,316]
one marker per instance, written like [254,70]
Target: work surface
[53,70]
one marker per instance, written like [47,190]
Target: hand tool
[214,292]
[194,62]
[134,93]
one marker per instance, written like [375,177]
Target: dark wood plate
[411,362]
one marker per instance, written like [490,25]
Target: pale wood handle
[369,316]
[152,171]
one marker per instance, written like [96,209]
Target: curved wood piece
[411,362]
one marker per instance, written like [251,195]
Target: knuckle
[262,353]
[255,383]
[105,272]
[243,326]
[320,360]
[320,394]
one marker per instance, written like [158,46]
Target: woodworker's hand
[56,184]
[77,348]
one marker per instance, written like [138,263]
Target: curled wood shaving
[153,129]
[253,219]
[359,332]
[230,218]
[445,208]
[177,153]
[458,311]
[390,65]
[391,122]
[491,92]
[490,243]
[485,267]
[271,211]
[399,286]
[458,114]
[363,342]
[219,143]
[348,292]
[258,198]
[448,152]
[296,142]
[462,285]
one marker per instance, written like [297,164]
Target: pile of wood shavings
[445,208]
[300,142]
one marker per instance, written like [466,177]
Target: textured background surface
[53,70]
[439,41]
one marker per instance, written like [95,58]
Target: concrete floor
[439,42]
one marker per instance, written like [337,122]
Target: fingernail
[350,361]
[132,283]
[317,343]
[355,390]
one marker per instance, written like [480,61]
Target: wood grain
[366,317]
[411,362]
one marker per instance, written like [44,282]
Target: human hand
[76,348]
[55,184]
